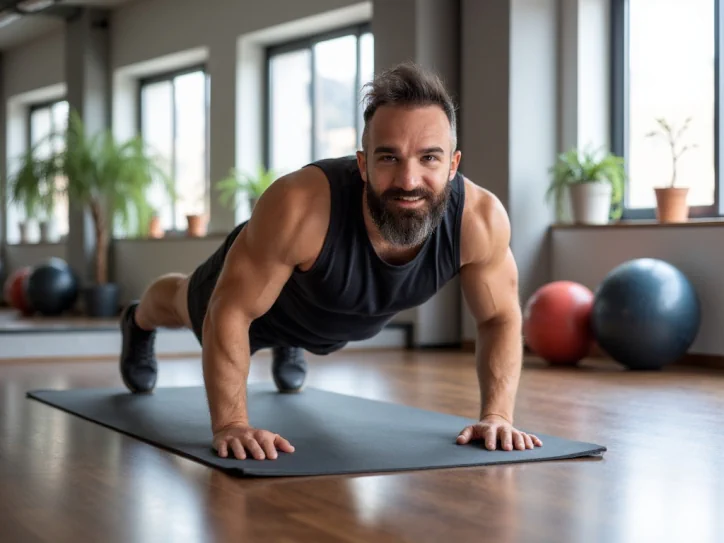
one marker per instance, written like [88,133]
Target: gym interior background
[246,84]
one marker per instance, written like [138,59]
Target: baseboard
[439,346]
[40,340]
[712,361]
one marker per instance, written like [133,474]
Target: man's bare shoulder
[292,215]
[485,225]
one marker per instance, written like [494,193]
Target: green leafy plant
[237,181]
[111,179]
[34,185]
[673,139]
[587,166]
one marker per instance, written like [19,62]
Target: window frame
[619,107]
[300,44]
[32,108]
[170,75]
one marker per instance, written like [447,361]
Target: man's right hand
[240,439]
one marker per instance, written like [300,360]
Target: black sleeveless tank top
[350,293]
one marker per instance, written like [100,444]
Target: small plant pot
[44,232]
[196,226]
[155,230]
[23,229]
[591,202]
[671,204]
[102,300]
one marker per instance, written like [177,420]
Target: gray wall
[586,255]
[510,122]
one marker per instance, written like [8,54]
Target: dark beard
[406,227]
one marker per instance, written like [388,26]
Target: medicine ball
[556,322]
[646,314]
[14,290]
[52,287]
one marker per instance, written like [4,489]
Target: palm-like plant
[237,181]
[587,166]
[111,179]
[33,185]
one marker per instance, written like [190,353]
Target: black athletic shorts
[203,280]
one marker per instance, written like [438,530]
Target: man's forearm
[499,355]
[226,359]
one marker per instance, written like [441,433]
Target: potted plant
[33,186]
[671,201]
[110,179]
[155,229]
[253,185]
[594,182]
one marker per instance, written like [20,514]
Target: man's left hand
[495,429]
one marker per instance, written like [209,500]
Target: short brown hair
[410,85]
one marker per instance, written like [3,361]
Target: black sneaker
[138,360]
[289,368]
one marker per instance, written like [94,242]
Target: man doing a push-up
[331,253]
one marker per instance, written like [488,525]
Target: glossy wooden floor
[662,479]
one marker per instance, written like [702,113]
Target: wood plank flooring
[64,479]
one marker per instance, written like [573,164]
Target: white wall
[586,255]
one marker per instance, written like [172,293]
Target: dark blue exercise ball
[52,287]
[646,314]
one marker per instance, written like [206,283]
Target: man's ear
[454,164]
[362,164]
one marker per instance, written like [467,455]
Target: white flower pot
[591,202]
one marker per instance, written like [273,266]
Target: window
[174,124]
[665,55]
[314,105]
[43,120]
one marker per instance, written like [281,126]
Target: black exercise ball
[52,287]
[646,314]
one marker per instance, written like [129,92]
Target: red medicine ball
[556,322]
[14,290]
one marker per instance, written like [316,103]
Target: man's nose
[407,177]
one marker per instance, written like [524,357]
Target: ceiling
[31,27]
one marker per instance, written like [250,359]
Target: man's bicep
[253,276]
[490,288]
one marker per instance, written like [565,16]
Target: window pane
[335,96]
[671,76]
[290,109]
[367,68]
[190,170]
[157,130]
[60,122]
[60,211]
[40,127]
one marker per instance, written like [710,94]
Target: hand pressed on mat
[240,440]
[494,428]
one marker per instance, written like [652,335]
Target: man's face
[407,171]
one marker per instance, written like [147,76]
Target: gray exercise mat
[332,433]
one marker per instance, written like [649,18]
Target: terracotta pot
[196,226]
[155,230]
[671,204]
